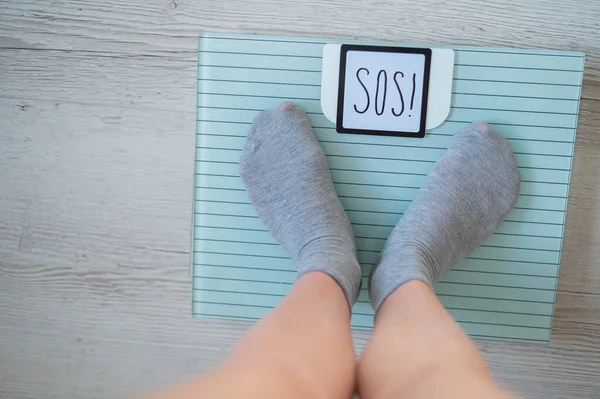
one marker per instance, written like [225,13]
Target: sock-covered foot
[465,198]
[289,184]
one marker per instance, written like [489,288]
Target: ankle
[336,257]
[407,263]
[413,257]
[326,249]
[413,251]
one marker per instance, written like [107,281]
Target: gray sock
[466,196]
[289,184]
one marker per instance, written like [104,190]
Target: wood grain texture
[97,122]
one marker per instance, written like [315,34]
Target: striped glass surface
[504,291]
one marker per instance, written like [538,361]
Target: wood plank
[96,141]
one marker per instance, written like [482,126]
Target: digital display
[383,90]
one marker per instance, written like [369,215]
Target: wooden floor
[97,124]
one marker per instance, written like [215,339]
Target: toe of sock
[270,122]
[288,107]
[484,131]
[491,141]
[480,127]
[498,155]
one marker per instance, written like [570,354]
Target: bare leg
[418,351]
[303,349]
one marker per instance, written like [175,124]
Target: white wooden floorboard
[97,123]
